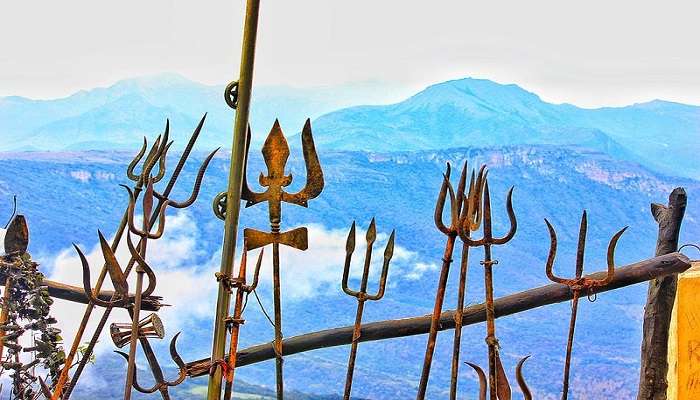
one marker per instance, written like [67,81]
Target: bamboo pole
[538,297]
[233,193]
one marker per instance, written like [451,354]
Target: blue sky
[592,53]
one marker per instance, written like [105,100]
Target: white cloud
[189,286]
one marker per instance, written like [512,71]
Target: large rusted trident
[275,152]
[234,322]
[498,383]
[451,231]
[156,156]
[579,284]
[469,221]
[362,295]
[142,269]
[483,385]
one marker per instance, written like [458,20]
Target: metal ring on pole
[231,94]
[219,205]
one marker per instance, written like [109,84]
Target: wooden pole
[233,191]
[77,294]
[511,304]
[660,299]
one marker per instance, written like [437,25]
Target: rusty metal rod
[517,302]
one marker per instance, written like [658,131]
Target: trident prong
[147,208]
[362,295]
[157,154]
[195,186]
[488,238]
[483,385]
[119,282]
[182,370]
[578,284]
[141,262]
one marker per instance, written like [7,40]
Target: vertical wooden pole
[233,196]
[660,299]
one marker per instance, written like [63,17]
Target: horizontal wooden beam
[77,294]
[507,305]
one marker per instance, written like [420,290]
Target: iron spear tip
[371,232]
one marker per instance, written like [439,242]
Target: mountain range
[662,135]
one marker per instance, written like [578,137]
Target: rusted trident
[470,220]
[275,152]
[362,295]
[451,231]
[498,383]
[142,269]
[234,322]
[156,156]
[527,395]
[163,197]
[579,284]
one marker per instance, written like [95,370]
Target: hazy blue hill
[477,112]
[466,112]
[120,114]
[67,196]
[663,135]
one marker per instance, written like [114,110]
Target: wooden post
[660,299]
[507,305]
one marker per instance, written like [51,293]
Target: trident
[149,163]
[362,294]
[275,152]
[155,156]
[496,372]
[578,284]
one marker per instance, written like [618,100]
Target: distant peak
[155,81]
